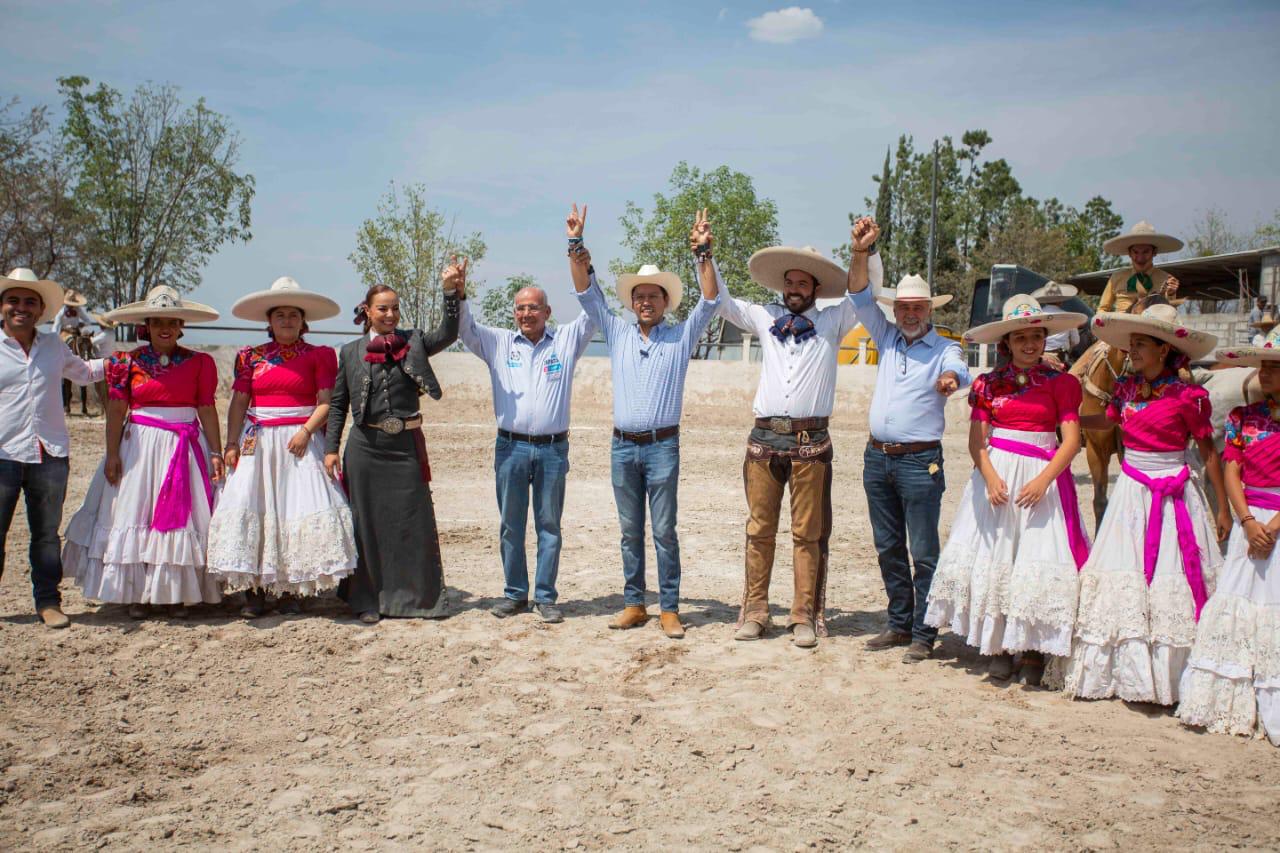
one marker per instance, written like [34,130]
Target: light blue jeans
[651,471]
[522,468]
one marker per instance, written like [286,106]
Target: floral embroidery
[1247,424]
[992,390]
[127,370]
[1127,397]
[252,362]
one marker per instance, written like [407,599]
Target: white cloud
[785,25]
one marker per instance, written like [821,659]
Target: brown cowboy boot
[671,625]
[632,616]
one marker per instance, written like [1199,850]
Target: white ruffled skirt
[1006,580]
[281,523]
[1133,640]
[1232,681]
[112,552]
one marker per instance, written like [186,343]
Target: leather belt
[395,426]
[648,436]
[533,439]
[786,426]
[893,448]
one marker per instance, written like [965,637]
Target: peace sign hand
[575,221]
[455,275]
[864,234]
[700,237]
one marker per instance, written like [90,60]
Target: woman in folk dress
[1006,581]
[1232,680]
[140,537]
[1154,561]
[282,525]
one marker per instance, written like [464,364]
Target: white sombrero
[768,268]
[1142,234]
[285,293]
[1266,350]
[50,291]
[1021,312]
[1159,322]
[1054,293]
[74,299]
[162,301]
[913,287]
[649,274]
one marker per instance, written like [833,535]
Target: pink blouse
[276,375]
[1174,413]
[1048,398]
[189,379]
[1251,435]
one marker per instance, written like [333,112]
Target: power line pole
[933,214]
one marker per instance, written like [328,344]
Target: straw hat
[101,320]
[1266,350]
[74,299]
[1021,312]
[285,293]
[162,301]
[1160,322]
[1266,322]
[1054,293]
[50,291]
[768,268]
[1142,234]
[913,287]
[649,274]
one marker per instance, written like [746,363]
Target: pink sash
[1265,500]
[275,422]
[1174,488]
[173,504]
[1066,494]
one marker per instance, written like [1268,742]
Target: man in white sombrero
[71,317]
[902,473]
[34,443]
[789,445]
[1127,286]
[1059,345]
[649,360]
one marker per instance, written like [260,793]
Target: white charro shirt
[31,395]
[1061,341]
[797,380]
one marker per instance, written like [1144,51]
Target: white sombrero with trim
[1054,293]
[911,288]
[285,292]
[1159,322]
[1266,350]
[162,301]
[1142,234]
[74,299]
[768,268]
[49,291]
[649,274]
[1024,312]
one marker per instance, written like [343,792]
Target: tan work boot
[803,635]
[632,616]
[671,625]
[53,617]
[750,630]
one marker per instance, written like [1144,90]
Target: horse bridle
[1090,386]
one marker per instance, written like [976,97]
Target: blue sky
[507,111]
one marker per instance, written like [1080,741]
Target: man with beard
[789,445]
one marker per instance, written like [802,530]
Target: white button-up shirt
[31,395]
[797,380]
[1062,341]
[532,383]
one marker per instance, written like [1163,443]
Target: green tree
[157,183]
[406,246]
[1088,229]
[497,302]
[1213,235]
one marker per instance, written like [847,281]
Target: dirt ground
[312,732]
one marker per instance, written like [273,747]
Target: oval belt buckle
[392,426]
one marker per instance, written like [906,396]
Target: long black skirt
[398,572]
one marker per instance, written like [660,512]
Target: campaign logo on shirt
[514,360]
[552,367]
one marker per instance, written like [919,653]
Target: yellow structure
[850,345]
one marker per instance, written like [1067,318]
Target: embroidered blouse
[1048,398]
[1173,413]
[189,379]
[277,375]
[1249,434]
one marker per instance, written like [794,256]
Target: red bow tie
[386,348]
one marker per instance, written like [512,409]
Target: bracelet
[213,454]
[702,253]
[1247,518]
[575,239]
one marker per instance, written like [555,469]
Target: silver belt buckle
[391,426]
[780,425]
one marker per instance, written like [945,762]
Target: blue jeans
[44,486]
[523,467]
[653,471]
[904,499]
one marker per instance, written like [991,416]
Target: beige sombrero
[285,292]
[913,287]
[162,301]
[1266,350]
[768,268]
[1142,234]
[1054,293]
[649,274]
[1021,312]
[101,320]
[50,291]
[73,298]
[1158,321]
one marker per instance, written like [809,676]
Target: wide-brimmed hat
[163,301]
[1054,293]
[768,268]
[1159,322]
[913,287]
[649,274]
[285,292]
[1142,234]
[73,298]
[50,291]
[1266,350]
[101,320]
[1266,322]
[1022,312]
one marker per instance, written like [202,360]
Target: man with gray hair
[531,368]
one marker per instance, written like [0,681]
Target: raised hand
[455,275]
[700,237]
[864,234]
[575,221]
